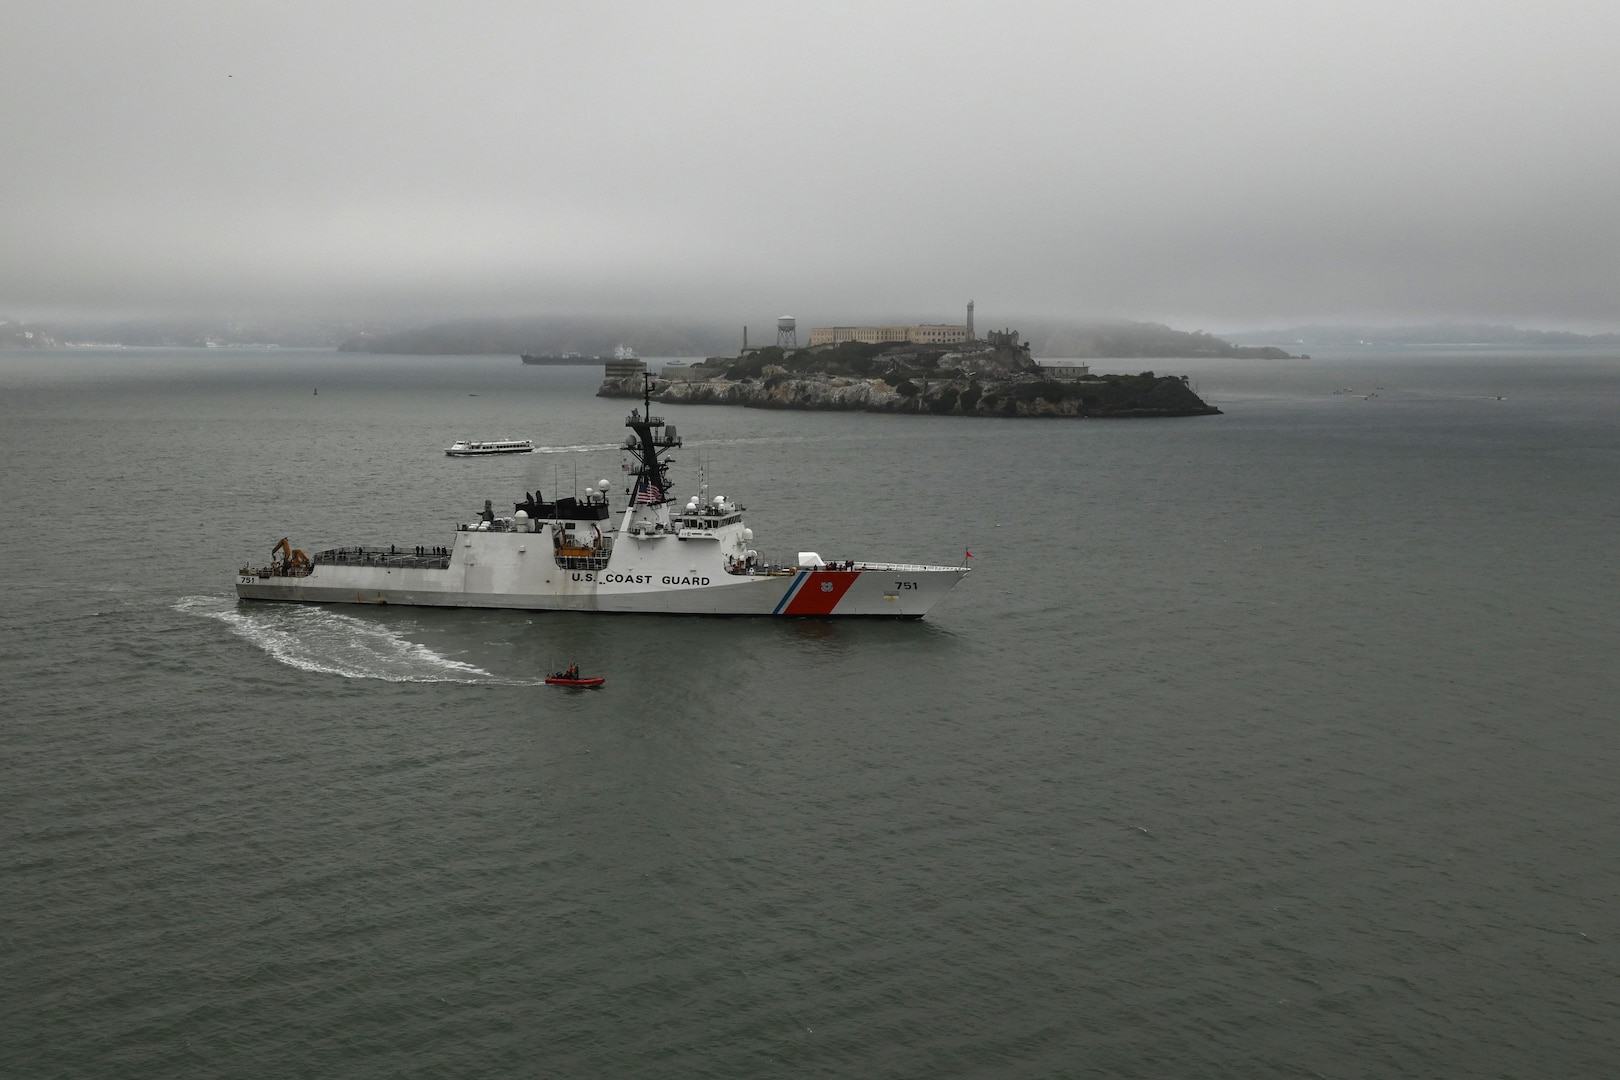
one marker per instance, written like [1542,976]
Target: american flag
[648,493]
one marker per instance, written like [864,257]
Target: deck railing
[416,558]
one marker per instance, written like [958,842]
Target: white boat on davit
[662,556]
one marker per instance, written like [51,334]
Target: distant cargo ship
[623,352]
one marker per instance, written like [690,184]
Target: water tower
[787,334]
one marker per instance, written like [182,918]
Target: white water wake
[581,448]
[331,643]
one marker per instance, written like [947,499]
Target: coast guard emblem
[826,586]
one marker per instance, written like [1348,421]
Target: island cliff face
[988,381]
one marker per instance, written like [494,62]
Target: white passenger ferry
[662,556]
[482,447]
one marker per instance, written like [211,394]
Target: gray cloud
[1206,163]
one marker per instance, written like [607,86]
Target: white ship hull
[663,573]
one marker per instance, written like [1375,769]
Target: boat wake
[331,643]
[582,448]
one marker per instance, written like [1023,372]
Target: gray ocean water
[1277,743]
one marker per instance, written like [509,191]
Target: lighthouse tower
[970,322]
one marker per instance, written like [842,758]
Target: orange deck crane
[286,557]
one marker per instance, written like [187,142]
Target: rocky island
[995,377]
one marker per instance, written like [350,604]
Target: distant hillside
[1120,339]
[466,337]
[652,337]
[196,333]
[16,335]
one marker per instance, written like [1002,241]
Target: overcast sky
[1229,164]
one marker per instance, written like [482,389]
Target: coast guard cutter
[565,555]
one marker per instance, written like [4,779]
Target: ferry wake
[564,555]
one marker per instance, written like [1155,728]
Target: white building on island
[1070,370]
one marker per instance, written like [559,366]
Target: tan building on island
[876,335]
[922,334]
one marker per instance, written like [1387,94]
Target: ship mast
[652,477]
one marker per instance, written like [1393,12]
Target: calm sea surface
[1278,743]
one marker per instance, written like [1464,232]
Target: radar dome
[602,485]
